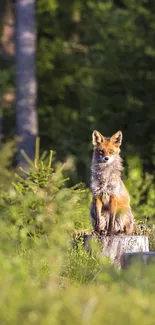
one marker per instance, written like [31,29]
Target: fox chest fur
[106,179]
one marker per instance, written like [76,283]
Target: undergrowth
[45,278]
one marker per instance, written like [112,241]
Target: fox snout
[102,159]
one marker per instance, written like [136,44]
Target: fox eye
[101,152]
[111,151]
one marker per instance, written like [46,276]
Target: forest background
[94,67]
[68,67]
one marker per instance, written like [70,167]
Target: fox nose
[106,158]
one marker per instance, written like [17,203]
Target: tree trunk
[26,116]
[114,246]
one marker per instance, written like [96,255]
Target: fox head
[106,149]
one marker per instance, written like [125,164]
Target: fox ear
[97,138]
[116,139]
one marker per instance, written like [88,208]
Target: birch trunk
[26,85]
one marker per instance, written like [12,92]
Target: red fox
[110,210]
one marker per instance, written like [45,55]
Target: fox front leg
[98,204]
[111,228]
[113,210]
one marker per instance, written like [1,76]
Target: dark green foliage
[95,69]
[99,64]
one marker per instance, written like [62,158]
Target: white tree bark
[26,116]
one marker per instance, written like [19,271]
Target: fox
[110,210]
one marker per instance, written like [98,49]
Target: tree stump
[144,258]
[114,246]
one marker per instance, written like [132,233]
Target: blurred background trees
[95,64]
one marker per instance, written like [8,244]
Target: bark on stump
[144,258]
[115,246]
